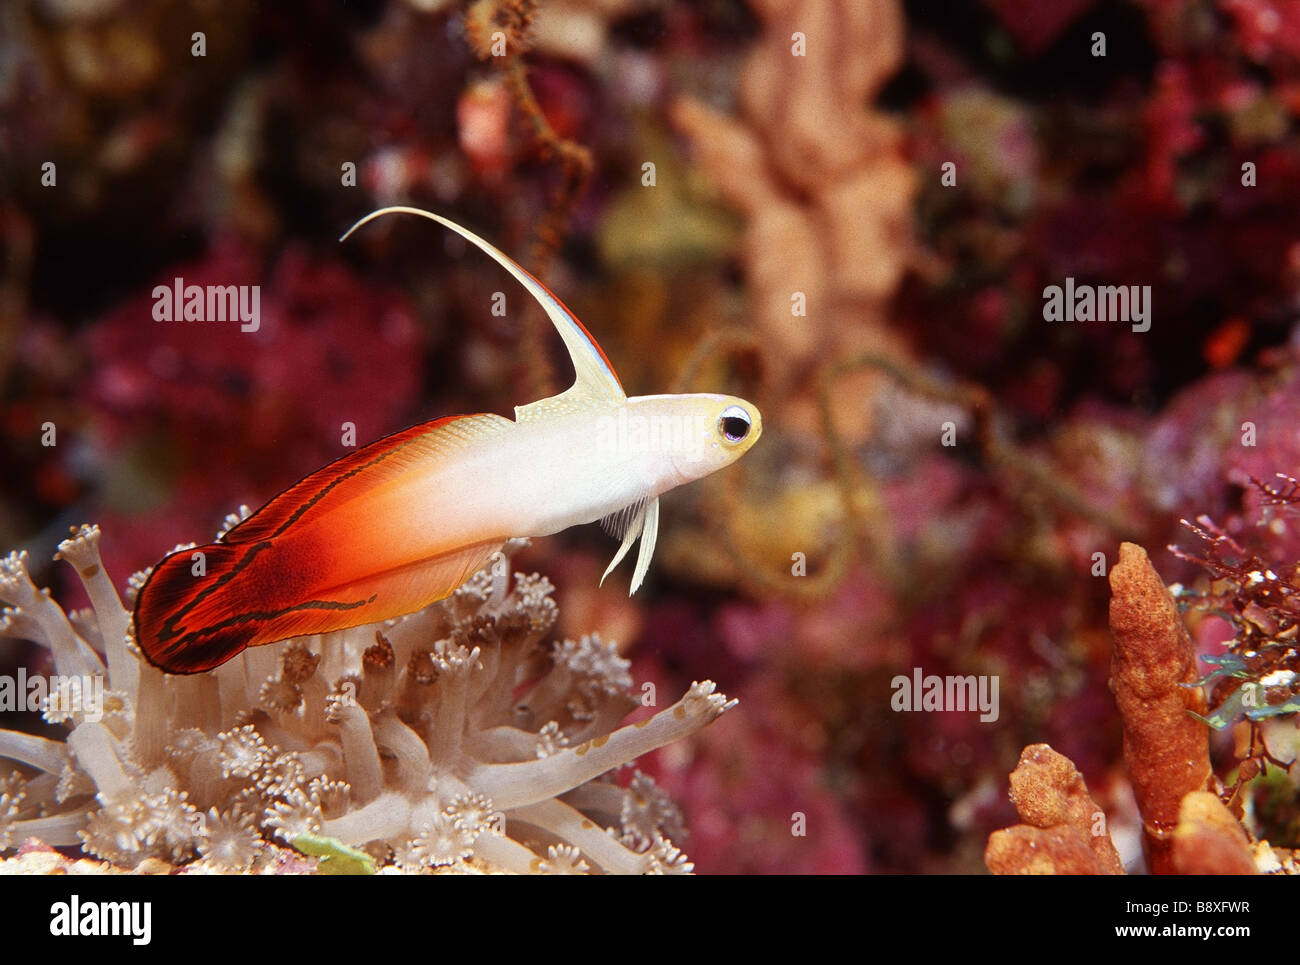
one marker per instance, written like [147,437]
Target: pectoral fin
[648,537]
[618,523]
[634,526]
[641,519]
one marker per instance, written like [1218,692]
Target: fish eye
[734,423]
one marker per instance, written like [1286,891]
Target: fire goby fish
[390,528]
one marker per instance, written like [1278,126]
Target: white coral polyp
[444,840]
[404,738]
[563,860]
[228,841]
[243,752]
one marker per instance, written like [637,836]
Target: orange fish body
[336,550]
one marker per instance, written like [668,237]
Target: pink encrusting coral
[452,738]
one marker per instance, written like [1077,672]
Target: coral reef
[1153,675]
[1064,832]
[1208,839]
[452,738]
[821,181]
[858,545]
[1187,826]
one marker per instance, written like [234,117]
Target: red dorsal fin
[389,457]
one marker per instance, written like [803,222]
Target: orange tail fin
[191,618]
[166,606]
[332,551]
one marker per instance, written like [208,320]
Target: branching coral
[820,179]
[817,172]
[454,737]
